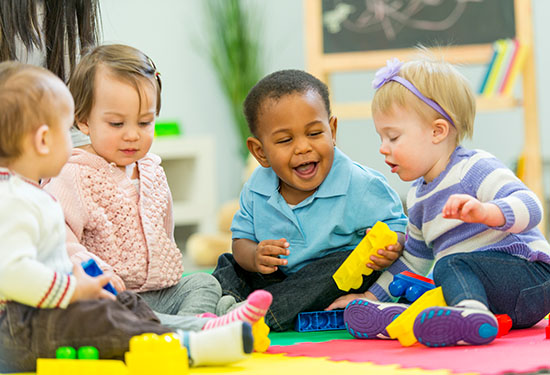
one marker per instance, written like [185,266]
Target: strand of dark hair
[70,28]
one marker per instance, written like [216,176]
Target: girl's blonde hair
[438,81]
[124,62]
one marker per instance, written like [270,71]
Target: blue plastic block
[409,285]
[92,269]
[320,321]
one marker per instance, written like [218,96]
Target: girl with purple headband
[471,220]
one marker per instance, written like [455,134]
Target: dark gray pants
[309,289]
[27,333]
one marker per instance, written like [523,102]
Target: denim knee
[442,268]
[532,305]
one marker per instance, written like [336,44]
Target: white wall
[170,30]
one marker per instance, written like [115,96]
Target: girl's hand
[470,210]
[88,287]
[342,302]
[266,258]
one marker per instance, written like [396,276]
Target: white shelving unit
[189,165]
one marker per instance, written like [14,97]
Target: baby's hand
[88,287]
[470,210]
[267,255]
[118,284]
[342,302]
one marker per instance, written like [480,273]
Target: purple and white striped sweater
[431,237]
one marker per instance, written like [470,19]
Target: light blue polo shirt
[351,199]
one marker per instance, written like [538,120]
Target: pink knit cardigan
[127,232]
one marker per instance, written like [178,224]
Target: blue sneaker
[366,319]
[448,326]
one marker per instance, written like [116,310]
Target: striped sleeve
[417,258]
[490,181]
[59,292]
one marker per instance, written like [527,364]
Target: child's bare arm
[260,257]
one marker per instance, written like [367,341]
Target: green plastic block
[65,352]
[167,128]
[88,352]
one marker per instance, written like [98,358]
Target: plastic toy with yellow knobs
[153,354]
[350,274]
[260,331]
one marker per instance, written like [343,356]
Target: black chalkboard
[370,25]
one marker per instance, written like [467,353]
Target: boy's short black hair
[275,86]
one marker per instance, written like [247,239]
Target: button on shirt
[351,199]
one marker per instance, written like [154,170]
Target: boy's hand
[88,287]
[390,255]
[342,302]
[470,210]
[266,258]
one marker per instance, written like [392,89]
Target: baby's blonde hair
[27,100]
[436,80]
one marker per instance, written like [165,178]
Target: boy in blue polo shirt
[308,205]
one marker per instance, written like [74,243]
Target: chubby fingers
[454,205]
[385,257]
[103,294]
[118,284]
[268,255]
[341,302]
[377,263]
[274,247]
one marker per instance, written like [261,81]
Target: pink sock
[255,308]
[207,315]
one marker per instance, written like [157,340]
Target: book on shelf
[504,67]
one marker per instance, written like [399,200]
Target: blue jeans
[28,333]
[178,305]
[309,289]
[505,283]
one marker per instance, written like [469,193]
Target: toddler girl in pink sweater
[116,200]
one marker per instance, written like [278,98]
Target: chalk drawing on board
[391,16]
[388,24]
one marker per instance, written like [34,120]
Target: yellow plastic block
[350,274]
[260,330]
[51,366]
[153,354]
[402,327]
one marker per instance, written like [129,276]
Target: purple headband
[389,73]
